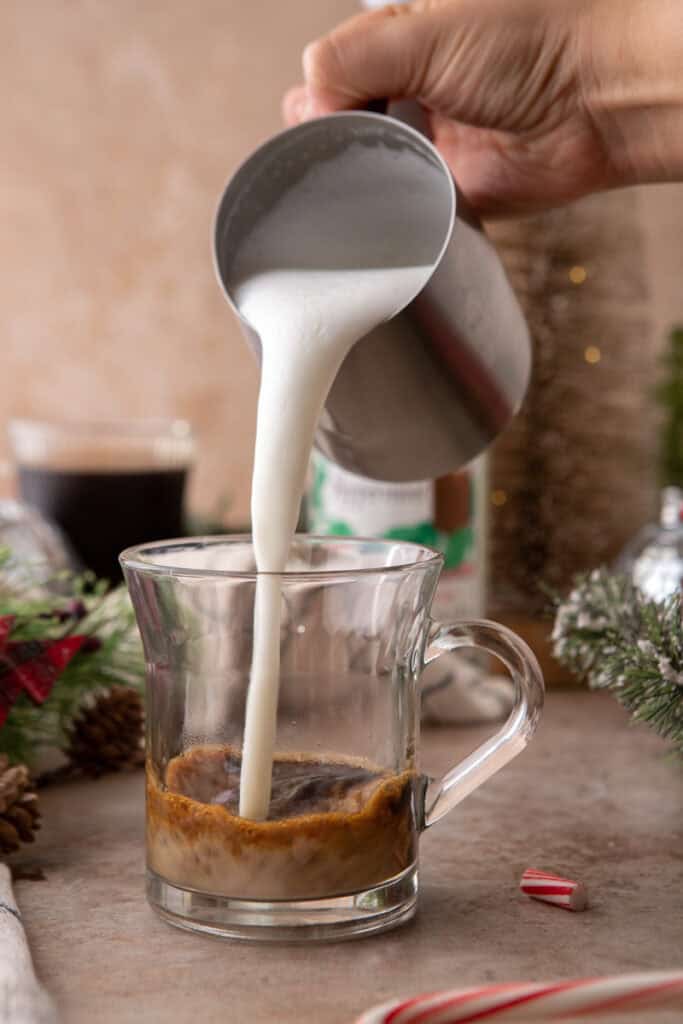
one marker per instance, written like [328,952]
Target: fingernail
[311,109]
[298,108]
[307,58]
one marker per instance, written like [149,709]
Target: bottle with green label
[448,514]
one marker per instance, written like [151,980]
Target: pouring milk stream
[313,279]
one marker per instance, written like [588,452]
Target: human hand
[531,104]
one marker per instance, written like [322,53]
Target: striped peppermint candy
[561,892]
[538,1001]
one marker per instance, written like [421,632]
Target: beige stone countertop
[592,797]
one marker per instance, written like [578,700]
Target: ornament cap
[671,510]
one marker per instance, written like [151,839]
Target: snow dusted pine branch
[609,634]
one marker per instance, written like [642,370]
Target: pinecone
[19,814]
[106,735]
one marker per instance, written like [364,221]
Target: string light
[577,275]
[592,354]
[498,498]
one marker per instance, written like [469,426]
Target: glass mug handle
[513,737]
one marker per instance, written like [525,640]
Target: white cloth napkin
[22,999]
[458,691]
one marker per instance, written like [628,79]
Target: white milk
[307,320]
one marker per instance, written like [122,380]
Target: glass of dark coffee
[106,484]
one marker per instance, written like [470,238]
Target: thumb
[393,52]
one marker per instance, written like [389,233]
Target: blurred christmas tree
[670,394]
[653,559]
[574,477]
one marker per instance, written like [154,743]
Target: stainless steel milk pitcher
[427,391]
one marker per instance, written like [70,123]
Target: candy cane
[561,892]
[537,1001]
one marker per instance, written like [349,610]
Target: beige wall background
[120,123]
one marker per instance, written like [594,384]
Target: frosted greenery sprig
[608,633]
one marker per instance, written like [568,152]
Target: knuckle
[322,62]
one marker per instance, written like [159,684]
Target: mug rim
[133,428]
[102,445]
[132,558]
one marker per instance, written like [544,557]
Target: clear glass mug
[337,855]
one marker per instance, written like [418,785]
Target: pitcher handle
[512,738]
